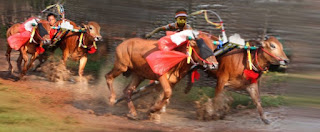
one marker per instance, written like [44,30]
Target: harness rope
[189,53]
[81,39]
[83,45]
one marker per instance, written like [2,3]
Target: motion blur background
[295,22]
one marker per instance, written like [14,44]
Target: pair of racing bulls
[132,53]
[68,44]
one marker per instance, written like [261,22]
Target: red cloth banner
[162,61]
[19,39]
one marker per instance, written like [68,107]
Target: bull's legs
[41,59]
[10,69]
[221,81]
[253,90]
[83,62]
[23,51]
[136,80]
[163,109]
[19,62]
[44,57]
[167,91]
[116,71]
[161,96]
[33,58]
[65,57]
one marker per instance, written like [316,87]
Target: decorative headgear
[181,13]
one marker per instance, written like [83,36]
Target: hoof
[112,101]
[266,121]
[132,117]
[155,117]
[22,76]
[163,109]
[9,73]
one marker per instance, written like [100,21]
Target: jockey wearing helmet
[179,25]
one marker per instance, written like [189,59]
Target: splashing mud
[210,109]
[56,71]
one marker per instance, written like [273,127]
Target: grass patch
[70,120]
[46,100]
[93,66]
[5,109]
[19,112]
[3,88]
[272,79]
[307,101]
[198,92]
[266,101]
[273,101]
[3,31]
[18,118]
[275,77]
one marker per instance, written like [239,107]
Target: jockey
[52,18]
[179,25]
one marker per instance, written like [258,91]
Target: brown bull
[28,48]
[233,64]
[131,56]
[69,44]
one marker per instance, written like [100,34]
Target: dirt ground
[88,104]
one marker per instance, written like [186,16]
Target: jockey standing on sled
[179,25]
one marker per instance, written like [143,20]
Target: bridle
[265,51]
[83,45]
[38,35]
[198,56]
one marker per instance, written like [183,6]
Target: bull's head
[93,28]
[273,51]
[203,49]
[41,33]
